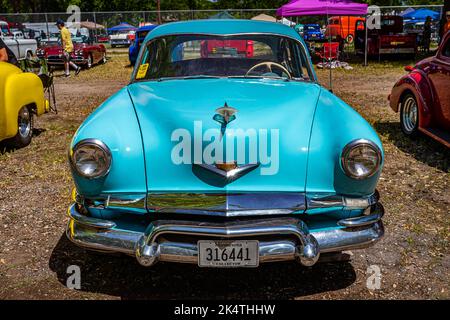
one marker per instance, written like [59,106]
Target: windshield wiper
[258,77]
[200,76]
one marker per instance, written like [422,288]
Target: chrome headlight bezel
[357,144]
[96,144]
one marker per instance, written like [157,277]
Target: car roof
[146,28]
[223,27]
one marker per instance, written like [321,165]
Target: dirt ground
[35,185]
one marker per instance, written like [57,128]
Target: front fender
[19,90]
[114,123]
[417,83]
[335,125]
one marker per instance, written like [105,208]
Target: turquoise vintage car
[225,159]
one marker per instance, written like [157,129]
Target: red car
[216,48]
[83,54]
[389,39]
[423,96]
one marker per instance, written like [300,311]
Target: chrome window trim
[144,46]
[351,145]
[97,143]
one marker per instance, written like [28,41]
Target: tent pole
[330,77]
[365,44]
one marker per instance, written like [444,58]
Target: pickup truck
[22,48]
[389,39]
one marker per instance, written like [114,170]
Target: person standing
[6,55]
[427,35]
[67,45]
[447,23]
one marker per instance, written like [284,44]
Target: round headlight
[361,159]
[91,158]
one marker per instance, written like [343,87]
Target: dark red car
[389,39]
[84,54]
[216,48]
[423,96]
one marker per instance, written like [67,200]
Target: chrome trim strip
[89,221]
[364,220]
[227,205]
[315,201]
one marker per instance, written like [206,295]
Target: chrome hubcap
[409,116]
[24,122]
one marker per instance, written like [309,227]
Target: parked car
[225,161]
[22,48]
[389,39]
[84,54]
[21,98]
[312,32]
[422,97]
[225,48]
[343,27]
[141,33]
[122,38]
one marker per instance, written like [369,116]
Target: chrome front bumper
[280,239]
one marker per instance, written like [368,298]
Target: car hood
[58,49]
[177,125]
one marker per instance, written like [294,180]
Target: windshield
[186,56]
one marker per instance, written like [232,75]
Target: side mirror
[409,68]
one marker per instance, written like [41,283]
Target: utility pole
[158,8]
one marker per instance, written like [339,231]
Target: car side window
[446,49]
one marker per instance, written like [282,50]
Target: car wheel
[29,55]
[349,38]
[89,62]
[104,58]
[25,131]
[409,115]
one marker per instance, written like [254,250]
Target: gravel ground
[34,193]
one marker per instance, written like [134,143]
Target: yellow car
[21,97]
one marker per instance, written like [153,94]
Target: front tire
[409,115]
[89,62]
[25,130]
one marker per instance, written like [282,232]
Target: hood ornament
[225,114]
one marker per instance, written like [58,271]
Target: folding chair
[329,51]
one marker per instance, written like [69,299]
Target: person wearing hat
[67,45]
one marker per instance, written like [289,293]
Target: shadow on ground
[123,277]
[6,147]
[422,148]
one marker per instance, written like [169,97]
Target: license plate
[228,254]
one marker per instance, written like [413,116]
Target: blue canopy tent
[122,27]
[421,15]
